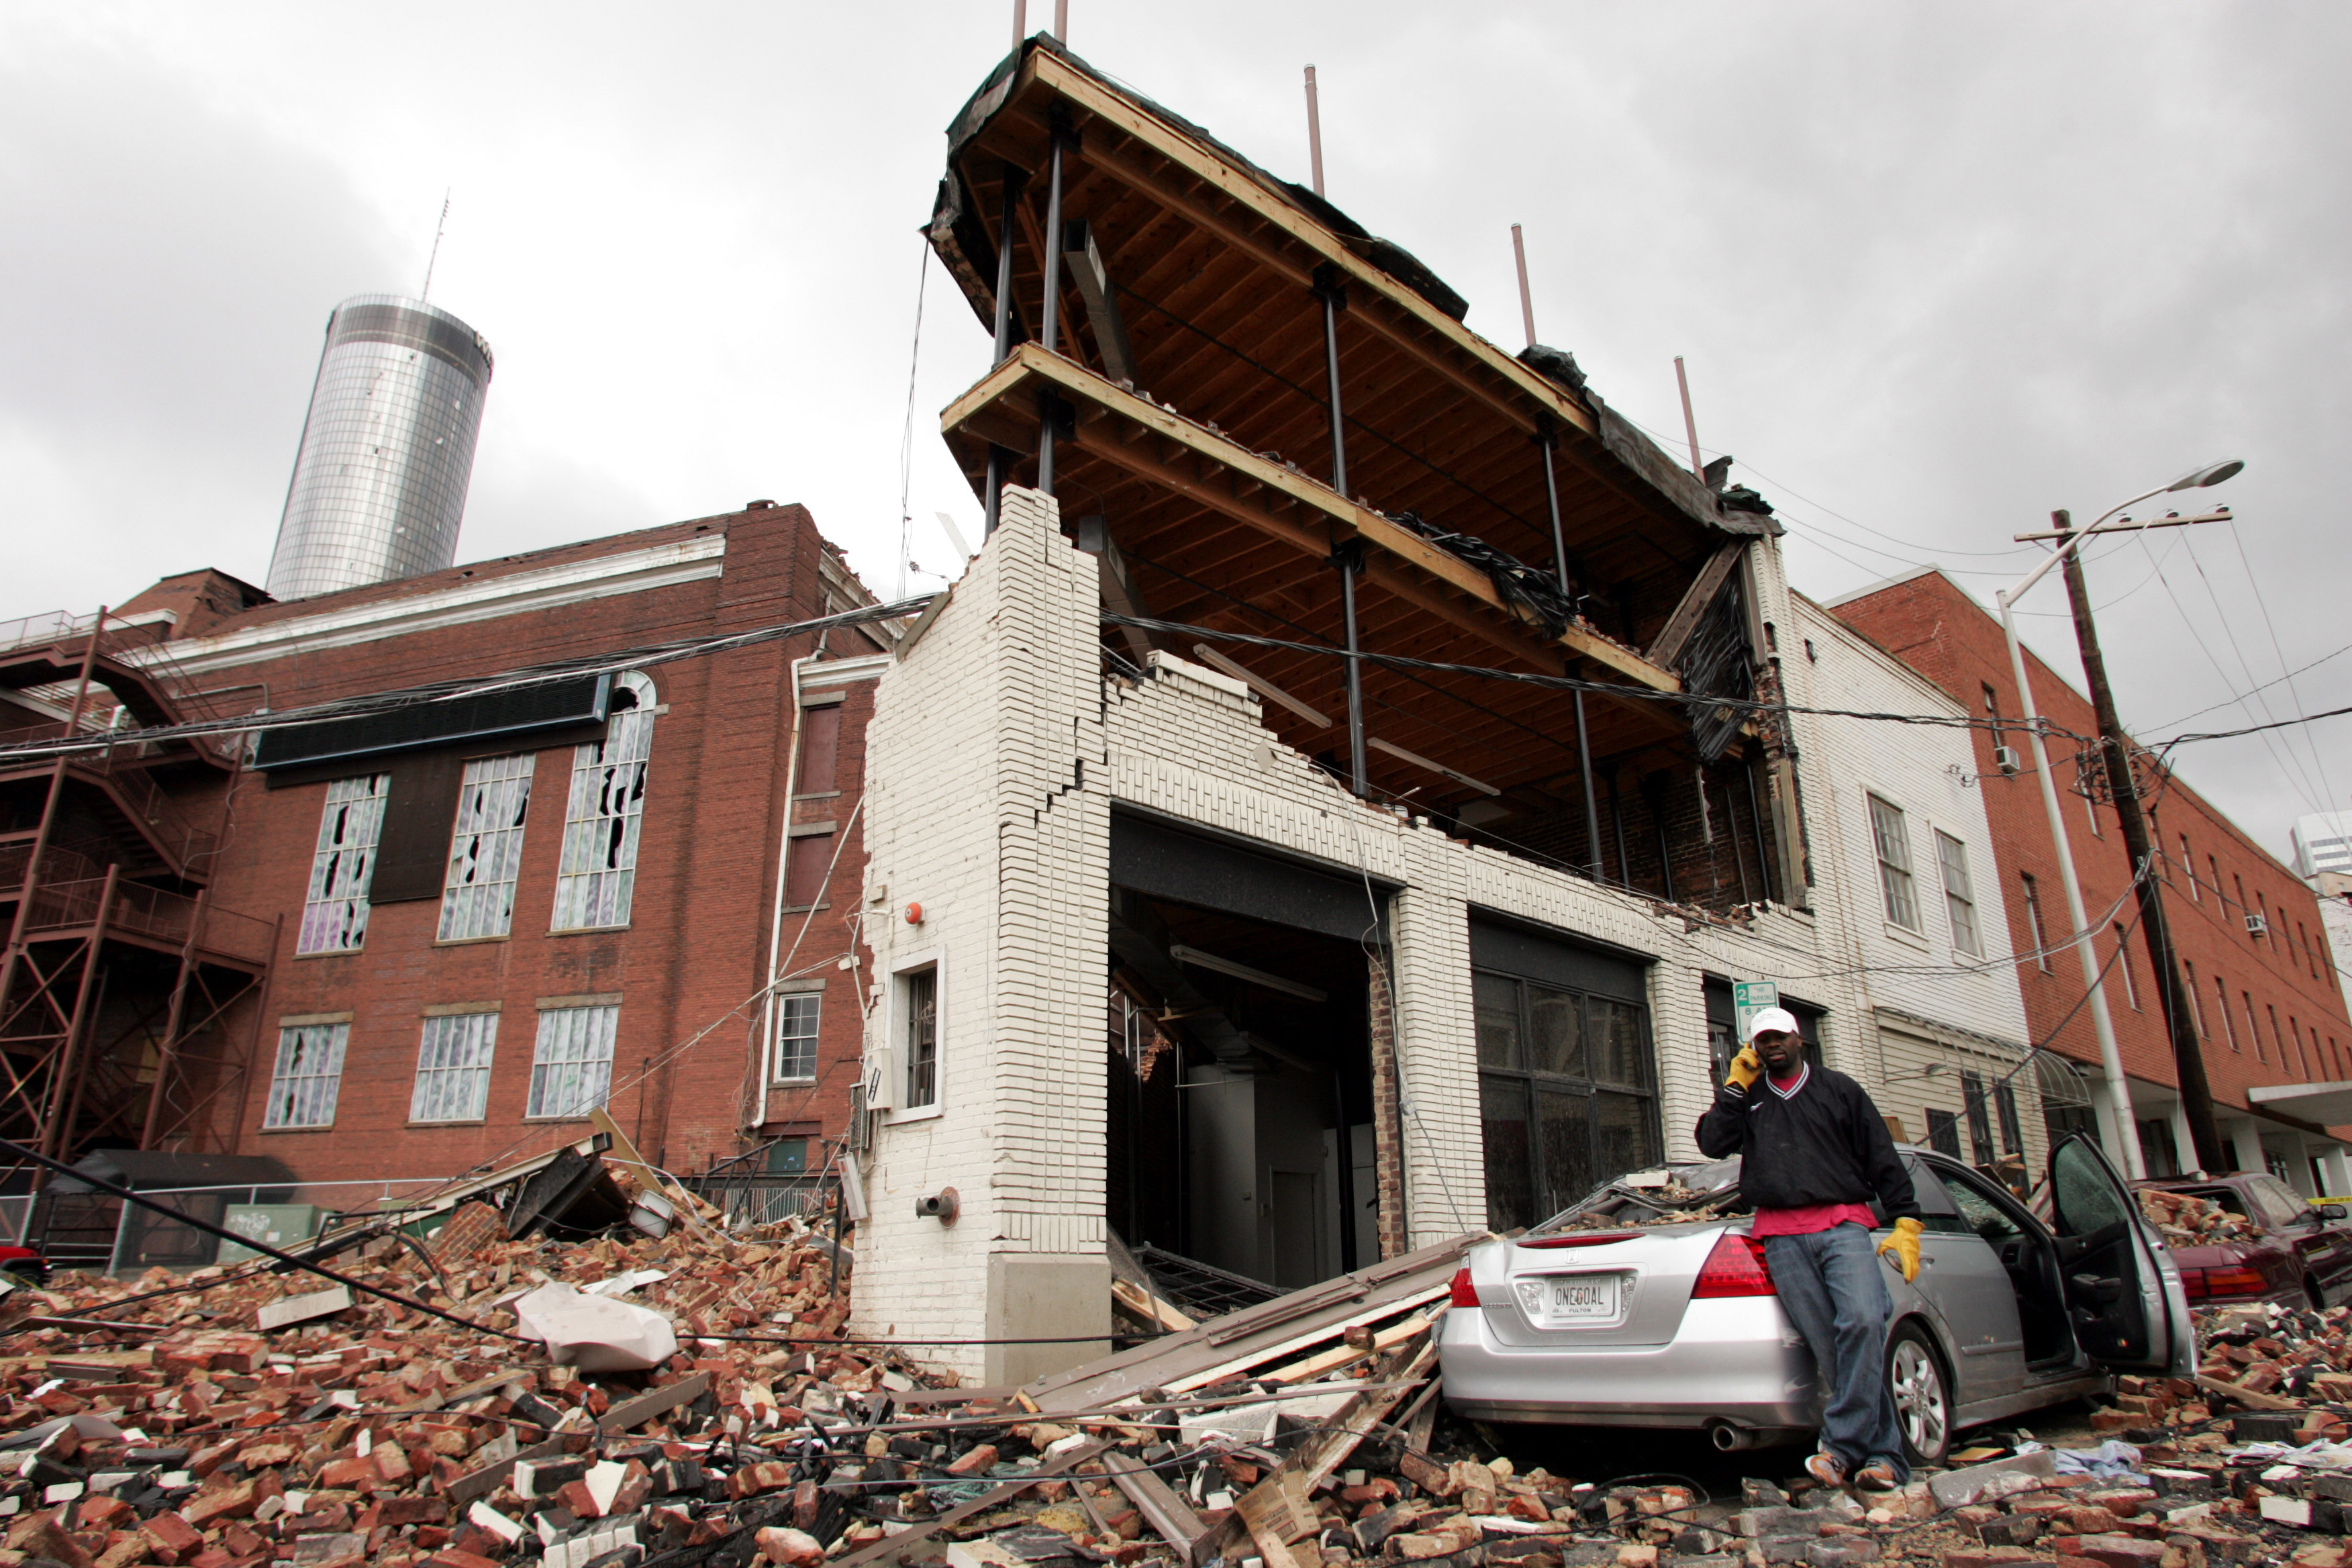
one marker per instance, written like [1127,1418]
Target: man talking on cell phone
[1814,1152]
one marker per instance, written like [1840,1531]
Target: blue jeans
[1829,1286]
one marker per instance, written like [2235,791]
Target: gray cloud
[1936,269]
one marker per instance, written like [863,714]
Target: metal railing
[94,1231]
[152,911]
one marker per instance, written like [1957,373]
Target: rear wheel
[1923,1399]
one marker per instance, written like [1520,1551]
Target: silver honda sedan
[1603,1316]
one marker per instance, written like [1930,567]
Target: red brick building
[2268,1004]
[638,888]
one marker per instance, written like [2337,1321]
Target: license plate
[1595,1297]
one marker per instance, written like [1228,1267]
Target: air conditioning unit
[2257,926]
[2005,759]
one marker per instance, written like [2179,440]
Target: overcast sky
[1936,269]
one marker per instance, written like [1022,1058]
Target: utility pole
[2188,1053]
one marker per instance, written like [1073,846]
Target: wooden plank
[654,1402]
[1160,1507]
[1160,1314]
[1332,1360]
[887,1549]
[489,1478]
[2247,1396]
[1500,626]
[1676,632]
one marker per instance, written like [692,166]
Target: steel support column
[1583,736]
[169,1054]
[55,1142]
[1334,295]
[1349,559]
[1013,180]
[1050,318]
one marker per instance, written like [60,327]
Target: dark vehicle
[25,1263]
[2300,1258]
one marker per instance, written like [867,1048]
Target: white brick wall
[996,751]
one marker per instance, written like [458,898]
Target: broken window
[335,911]
[1893,841]
[1959,895]
[1566,1095]
[571,1061]
[486,848]
[453,1068]
[919,989]
[308,1075]
[598,871]
[796,1020]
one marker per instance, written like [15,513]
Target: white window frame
[454,1053]
[306,1079]
[478,894]
[2123,966]
[1898,885]
[786,1007]
[557,1094]
[596,879]
[935,960]
[1959,894]
[342,864]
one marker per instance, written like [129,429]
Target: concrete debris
[238,1418]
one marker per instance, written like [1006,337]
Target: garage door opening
[1239,1114]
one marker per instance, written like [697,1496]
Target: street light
[2111,1062]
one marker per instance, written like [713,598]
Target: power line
[2270,626]
[2232,701]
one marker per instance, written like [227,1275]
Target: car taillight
[1463,1293]
[1735,1267]
[2222,1284]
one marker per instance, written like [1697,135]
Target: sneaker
[1877,1475]
[1826,1469]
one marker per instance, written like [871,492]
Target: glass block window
[453,1068]
[308,1075]
[1892,839]
[796,1019]
[571,1062]
[335,910]
[486,848]
[598,872]
[1959,895]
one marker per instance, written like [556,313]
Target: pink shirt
[1812,1218]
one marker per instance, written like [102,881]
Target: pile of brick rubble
[175,1429]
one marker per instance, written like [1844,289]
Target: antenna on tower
[441,229]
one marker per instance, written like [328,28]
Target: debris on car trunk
[2185,1219]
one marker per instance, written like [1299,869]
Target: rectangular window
[1980,1115]
[1992,710]
[307,1078]
[2302,935]
[486,848]
[2229,1023]
[2188,868]
[1893,841]
[2294,1033]
[2123,967]
[2004,1101]
[820,751]
[2277,1038]
[571,1061]
[1959,894]
[452,1067]
[2263,909]
[808,857]
[2033,921]
[596,877]
[796,1020]
[2196,1002]
[1944,1133]
[335,910]
[2244,907]
[2255,1027]
[1566,1091]
[919,993]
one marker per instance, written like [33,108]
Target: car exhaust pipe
[1730,1438]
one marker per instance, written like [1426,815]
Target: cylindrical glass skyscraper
[379,485]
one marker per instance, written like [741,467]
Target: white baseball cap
[1772,1021]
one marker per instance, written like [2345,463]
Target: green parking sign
[1749,998]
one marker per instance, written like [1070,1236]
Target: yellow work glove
[1905,1245]
[1746,1068]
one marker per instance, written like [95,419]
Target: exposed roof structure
[1189,388]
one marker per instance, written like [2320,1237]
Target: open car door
[2124,1297]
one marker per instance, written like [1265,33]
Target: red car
[2297,1257]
